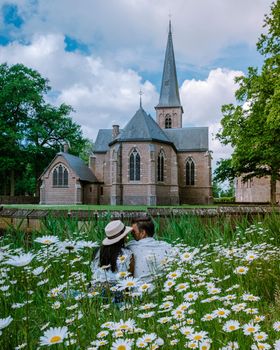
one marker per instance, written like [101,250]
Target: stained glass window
[134,166]
[190,172]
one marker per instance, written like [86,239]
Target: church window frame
[190,172]
[160,166]
[134,165]
[168,122]
[60,176]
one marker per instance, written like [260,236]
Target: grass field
[99,207]
[220,289]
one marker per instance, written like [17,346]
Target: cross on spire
[140,94]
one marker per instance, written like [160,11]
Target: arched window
[168,122]
[190,172]
[60,176]
[134,166]
[160,168]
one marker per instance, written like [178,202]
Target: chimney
[65,147]
[115,131]
[92,163]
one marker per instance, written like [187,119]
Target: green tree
[31,130]
[252,126]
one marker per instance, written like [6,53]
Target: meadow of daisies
[220,289]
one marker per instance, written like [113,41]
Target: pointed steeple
[169,93]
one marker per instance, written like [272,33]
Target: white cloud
[202,101]
[202,29]
[99,94]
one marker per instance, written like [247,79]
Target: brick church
[148,162]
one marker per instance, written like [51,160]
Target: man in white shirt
[149,253]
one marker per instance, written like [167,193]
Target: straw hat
[115,231]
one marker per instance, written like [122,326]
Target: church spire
[169,93]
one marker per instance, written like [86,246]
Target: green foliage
[252,127]
[31,130]
[224,200]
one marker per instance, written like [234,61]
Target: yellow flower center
[197,337]
[121,347]
[204,347]
[221,312]
[124,326]
[190,295]
[181,286]
[241,270]
[251,329]
[55,339]
[47,241]
[232,328]
[145,286]
[130,284]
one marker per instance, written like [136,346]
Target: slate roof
[169,92]
[142,127]
[104,137]
[189,139]
[79,167]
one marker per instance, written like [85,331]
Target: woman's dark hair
[109,254]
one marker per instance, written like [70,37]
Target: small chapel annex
[147,162]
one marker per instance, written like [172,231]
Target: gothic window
[134,166]
[190,172]
[160,168]
[168,122]
[60,176]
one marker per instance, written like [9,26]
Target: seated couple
[140,258]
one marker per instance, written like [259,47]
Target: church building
[148,162]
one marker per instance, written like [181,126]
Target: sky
[98,54]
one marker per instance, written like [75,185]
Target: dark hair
[109,254]
[146,224]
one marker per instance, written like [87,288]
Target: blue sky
[99,53]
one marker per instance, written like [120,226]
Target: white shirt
[149,255]
[102,275]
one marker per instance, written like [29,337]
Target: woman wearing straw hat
[113,260]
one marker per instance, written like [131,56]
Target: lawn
[220,289]
[99,207]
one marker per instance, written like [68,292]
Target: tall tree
[252,126]
[31,131]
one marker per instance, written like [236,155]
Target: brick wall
[255,190]
[72,194]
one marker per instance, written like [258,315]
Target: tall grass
[221,245]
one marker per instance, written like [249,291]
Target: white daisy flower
[128,283]
[191,296]
[276,326]
[53,336]
[250,328]
[121,344]
[221,313]
[38,271]
[241,270]
[260,336]
[21,260]
[48,240]
[4,322]
[231,325]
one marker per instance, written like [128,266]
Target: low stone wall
[31,219]
[19,200]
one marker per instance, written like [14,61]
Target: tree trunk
[273,190]
[12,183]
